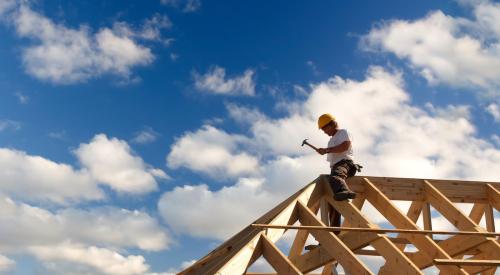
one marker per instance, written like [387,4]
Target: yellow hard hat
[324,119]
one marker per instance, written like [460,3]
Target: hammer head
[304,142]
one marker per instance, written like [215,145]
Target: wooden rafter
[332,243]
[473,250]
[276,258]
[398,219]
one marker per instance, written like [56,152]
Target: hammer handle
[307,143]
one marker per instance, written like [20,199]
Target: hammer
[308,144]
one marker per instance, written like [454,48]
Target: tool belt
[353,167]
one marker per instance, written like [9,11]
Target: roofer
[339,154]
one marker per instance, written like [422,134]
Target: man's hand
[321,151]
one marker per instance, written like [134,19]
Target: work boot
[344,195]
[311,247]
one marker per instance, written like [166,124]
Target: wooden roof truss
[468,250]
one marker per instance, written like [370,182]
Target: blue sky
[154,131]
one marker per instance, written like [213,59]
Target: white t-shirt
[340,136]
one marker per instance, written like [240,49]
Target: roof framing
[469,249]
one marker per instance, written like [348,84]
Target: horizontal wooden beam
[378,230]
[264,273]
[410,189]
[467,262]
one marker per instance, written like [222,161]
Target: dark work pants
[339,173]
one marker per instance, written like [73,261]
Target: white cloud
[494,110]
[104,161]
[112,162]
[60,135]
[192,5]
[391,137]
[64,55]
[103,260]
[6,124]
[187,5]
[114,227]
[445,49]
[153,26]
[185,208]
[213,152]
[103,226]
[214,81]
[238,205]
[173,271]
[23,99]
[6,264]
[46,180]
[6,6]
[67,238]
[244,115]
[496,139]
[147,135]
[150,30]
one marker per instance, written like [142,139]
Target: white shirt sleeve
[343,136]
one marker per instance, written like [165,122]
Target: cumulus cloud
[496,139]
[391,137]
[214,81]
[112,162]
[147,135]
[150,30]
[99,226]
[64,55]
[451,50]
[228,200]
[6,6]
[6,264]
[213,152]
[71,236]
[244,115]
[494,110]
[96,226]
[104,161]
[46,179]
[102,260]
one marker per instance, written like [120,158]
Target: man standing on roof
[339,154]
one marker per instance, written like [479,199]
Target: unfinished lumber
[467,262]
[407,248]
[398,219]
[332,243]
[276,258]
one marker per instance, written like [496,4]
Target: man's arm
[344,146]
